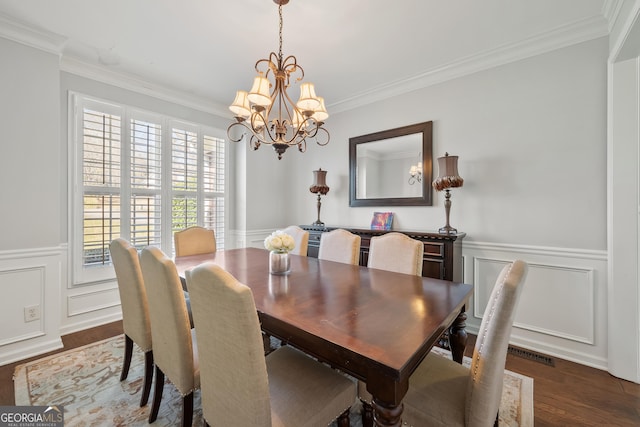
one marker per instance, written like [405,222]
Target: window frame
[86,274]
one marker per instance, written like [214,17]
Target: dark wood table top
[373,324]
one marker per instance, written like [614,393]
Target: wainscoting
[30,307]
[563,308]
[37,281]
[562,313]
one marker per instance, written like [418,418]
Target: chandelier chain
[280,31]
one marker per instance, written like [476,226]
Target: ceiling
[355,51]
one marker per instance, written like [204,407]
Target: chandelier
[272,117]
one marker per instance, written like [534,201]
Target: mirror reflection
[384,168]
[392,167]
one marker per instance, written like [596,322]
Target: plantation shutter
[214,183]
[101,166]
[140,176]
[146,183]
[184,179]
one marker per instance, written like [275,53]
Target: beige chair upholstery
[396,252]
[135,310]
[301,237]
[174,344]
[399,253]
[194,241]
[443,392]
[341,246]
[242,387]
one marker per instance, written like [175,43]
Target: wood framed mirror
[392,167]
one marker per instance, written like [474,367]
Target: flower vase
[279,262]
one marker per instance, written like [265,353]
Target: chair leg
[187,410]
[128,351]
[148,377]
[266,343]
[367,414]
[343,419]
[157,395]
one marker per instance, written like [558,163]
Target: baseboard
[23,352]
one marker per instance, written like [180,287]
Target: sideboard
[442,252]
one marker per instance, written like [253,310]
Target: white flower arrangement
[279,241]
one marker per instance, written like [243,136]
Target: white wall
[531,137]
[624,195]
[30,141]
[31,258]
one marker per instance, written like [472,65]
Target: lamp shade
[240,106]
[259,94]
[308,100]
[447,173]
[320,114]
[319,182]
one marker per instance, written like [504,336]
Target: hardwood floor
[567,394]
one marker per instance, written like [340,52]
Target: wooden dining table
[372,324]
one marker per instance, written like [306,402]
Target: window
[140,176]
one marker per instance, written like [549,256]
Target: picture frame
[382,220]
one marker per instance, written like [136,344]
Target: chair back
[341,246]
[170,328]
[396,252]
[484,390]
[233,371]
[194,241]
[301,238]
[133,295]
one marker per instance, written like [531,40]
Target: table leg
[385,415]
[458,336]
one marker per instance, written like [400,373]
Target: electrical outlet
[31,313]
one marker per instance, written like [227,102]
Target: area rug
[86,382]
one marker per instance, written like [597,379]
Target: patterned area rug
[86,381]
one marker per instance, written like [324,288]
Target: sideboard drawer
[434,249]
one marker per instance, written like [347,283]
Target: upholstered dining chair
[301,238]
[174,344]
[443,392]
[396,252]
[135,310]
[242,387]
[194,241]
[340,245]
[399,253]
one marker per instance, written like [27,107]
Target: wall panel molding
[30,277]
[562,311]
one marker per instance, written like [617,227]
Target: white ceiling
[355,51]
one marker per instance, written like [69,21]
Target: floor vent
[531,355]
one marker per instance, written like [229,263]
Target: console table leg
[458,336]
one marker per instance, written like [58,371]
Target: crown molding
[22,33]
[25,34]
[564,36]
[611,12]
[142,86]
